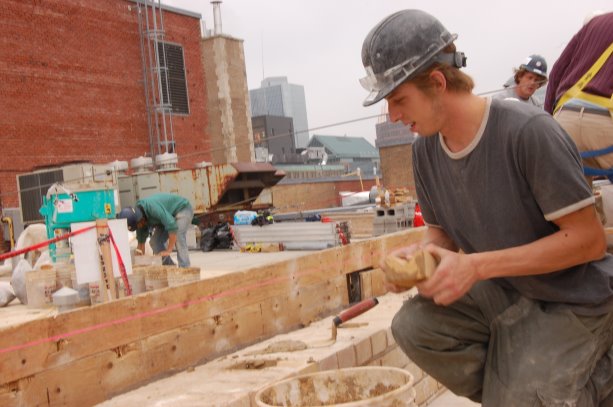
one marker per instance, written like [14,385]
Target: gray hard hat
[535,64]
[401,46]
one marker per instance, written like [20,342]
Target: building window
[175,93]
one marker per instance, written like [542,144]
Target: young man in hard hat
[519,311]
[167,217]
[527,79]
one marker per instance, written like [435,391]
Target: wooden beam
[85,356]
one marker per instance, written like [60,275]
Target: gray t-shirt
[510,94]
[521,172]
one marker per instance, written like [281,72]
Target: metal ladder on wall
[155,77]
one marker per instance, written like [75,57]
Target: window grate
[174,94]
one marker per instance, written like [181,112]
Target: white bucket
[379,386]
[40,284]
[137,285]
[64,274]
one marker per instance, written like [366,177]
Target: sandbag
[6,293]
[18,280]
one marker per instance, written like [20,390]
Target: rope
[122,267]
[43,244]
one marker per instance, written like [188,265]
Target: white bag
[18,280]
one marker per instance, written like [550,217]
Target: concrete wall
[72,86]
[227,97]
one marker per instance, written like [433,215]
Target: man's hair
[519,72]
[457,81]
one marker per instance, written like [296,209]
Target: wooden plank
[378,282]
[357,256]
[366,284]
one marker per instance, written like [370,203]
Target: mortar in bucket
[379,386]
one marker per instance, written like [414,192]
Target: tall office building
[277,97]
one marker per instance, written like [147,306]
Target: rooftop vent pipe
[217,16]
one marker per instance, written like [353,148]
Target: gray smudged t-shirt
[520,173]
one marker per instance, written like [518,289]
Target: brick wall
[72,86]
[313,195]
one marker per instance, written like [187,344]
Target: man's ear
[438,80]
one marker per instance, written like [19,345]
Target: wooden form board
[90,354]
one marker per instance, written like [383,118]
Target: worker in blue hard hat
[166,217]
[527,79]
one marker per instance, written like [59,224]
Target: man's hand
[164,253]
[454,276]
[403,253]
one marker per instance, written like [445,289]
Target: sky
[317,44]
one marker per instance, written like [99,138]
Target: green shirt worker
[167,218]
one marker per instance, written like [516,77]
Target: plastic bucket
[379,386]
[137,284]
[40,284]
[64,274]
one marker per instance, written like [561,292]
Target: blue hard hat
[132,215]
[535,64]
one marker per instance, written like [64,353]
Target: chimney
[217,16]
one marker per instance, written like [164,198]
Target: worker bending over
[167,218]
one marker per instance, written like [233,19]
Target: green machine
[62,207]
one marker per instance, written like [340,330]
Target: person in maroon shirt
[580,89]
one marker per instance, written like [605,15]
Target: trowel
[350,313]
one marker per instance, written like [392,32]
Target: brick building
[73,86]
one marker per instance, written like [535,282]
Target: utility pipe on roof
[217,16]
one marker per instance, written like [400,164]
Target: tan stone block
[395,358]
[346,357]
[379,342]
[363,351]
[328,363]
[390,338]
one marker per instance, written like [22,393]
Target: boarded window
[175,94]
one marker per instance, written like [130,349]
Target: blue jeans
[159,238]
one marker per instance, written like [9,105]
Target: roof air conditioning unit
[141,164]
[166,161]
